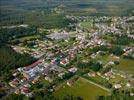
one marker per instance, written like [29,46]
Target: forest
[10,60]
[39,12]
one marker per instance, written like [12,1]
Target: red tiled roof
[35,64]
[64,61]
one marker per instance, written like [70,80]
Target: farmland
[81,88]
[126,65]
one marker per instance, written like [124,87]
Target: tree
[96,66]
[116,50]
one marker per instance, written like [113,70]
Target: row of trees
[117,95]
[122,40]
[116,50]
[7,34]
[40,95]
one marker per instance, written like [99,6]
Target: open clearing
[82,87]
[86,25]
[126,65]
[22,39]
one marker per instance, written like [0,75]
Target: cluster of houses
[31,74]
[25,76]
[129,52]
[59,35]
[125,81]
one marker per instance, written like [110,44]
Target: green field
[126,65]
[28,37]
[83,88]
[106,58]
[86,25]
[96,79]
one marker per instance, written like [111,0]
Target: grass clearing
[107,58]
[28,37]
[126,65]
[83,88]
[96,79]
[86,25]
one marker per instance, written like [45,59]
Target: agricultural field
[82,88]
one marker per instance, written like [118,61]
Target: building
[64,62]
[73,70]
[117,86]
[59,35]
[14,83]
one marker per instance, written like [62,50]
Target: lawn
[126,65]
[106,58]
[86,25]
[96,79]
[28,37]
[83,88]
[118,80]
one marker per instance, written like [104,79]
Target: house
[60,75]
[70,83]
[25,90]
[92,74]
[14,83]
[27,85]
[73,70]
[131,94]
[110,63]
[117,86]
[128,85]
[17,91]
[48,79]
[64,62]
[36,80]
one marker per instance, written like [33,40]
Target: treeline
[95,66]
[116,50]
[122,40]
[7,34]
[117,95]
[37,18]
[40,95]
[10,60]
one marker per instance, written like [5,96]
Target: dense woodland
[42,12]
[7,34]
[42,96]
[10,60]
